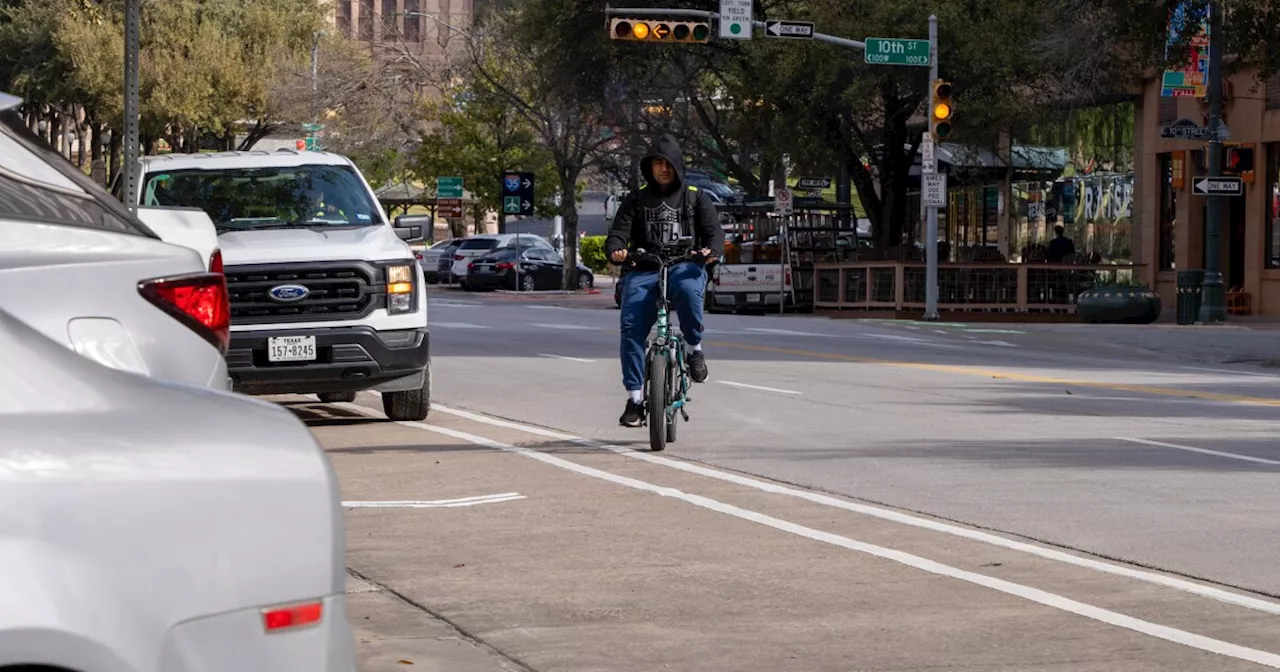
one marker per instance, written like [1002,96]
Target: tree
[547,60]
[478,136]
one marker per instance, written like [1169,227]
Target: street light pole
[1212,308]
[132,26]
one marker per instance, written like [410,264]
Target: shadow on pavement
[1103,454]
[1040,399]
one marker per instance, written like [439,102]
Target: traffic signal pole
[704,14]
[1212,308]
[931,212]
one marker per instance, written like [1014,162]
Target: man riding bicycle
[662,215]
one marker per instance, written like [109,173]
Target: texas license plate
[291,348]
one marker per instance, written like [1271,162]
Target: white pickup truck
[326,295]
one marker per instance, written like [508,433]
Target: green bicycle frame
[671,346]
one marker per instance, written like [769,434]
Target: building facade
[425,27]
[1171,233]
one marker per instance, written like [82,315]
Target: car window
[535,254]
[478,244]
[272,197]
[37,184]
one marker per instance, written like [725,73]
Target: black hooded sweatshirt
[651,215]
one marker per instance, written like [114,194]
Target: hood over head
[668,148]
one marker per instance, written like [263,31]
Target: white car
[476,246]
[326,297]
[76,265]
[152,527]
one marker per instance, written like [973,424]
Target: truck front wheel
[410,405]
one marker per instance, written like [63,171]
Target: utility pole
[931,221]
[132,26]
[1212,308]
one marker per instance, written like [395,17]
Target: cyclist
[664,213]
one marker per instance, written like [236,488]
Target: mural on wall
[1095,210]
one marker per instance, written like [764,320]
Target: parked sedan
[540,269]
[77,266]
[150,526]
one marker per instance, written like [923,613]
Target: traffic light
[1238,160]
[647,30]
[943,108]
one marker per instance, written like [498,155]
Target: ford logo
[288,293]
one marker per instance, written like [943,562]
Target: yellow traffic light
[943,108]
[660,30]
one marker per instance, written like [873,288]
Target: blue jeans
[686,285]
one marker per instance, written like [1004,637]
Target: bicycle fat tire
[673,387]
[656,401]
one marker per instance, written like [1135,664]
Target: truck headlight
[400,289]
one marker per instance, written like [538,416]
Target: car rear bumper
[482,280]
[238,641]
[348,359]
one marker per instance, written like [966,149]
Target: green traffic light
[700,32]
[942,129]
[681,32]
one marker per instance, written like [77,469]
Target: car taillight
[504,266]
[471,266]
[788,277]
[199,301]
[459,257]
[294,616]
[215,261]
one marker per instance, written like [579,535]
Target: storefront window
[1272,192]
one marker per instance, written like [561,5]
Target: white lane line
[1211,592]
[785,332]
[568,359]
[459,325]
[1204,451]
[567,327]
[1003,344]
[1238,373]
[436,504]
[1036,595]
[547,308]
[756,387]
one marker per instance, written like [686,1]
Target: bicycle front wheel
[656,400]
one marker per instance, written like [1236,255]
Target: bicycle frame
[671,346]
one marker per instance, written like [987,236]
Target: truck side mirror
[410,228]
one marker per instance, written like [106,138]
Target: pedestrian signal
[660,30]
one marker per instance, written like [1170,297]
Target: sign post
[931,202]
[1213,307]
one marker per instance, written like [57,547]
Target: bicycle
[666,377]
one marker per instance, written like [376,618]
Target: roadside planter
[1118,304]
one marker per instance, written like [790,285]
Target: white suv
[326,297]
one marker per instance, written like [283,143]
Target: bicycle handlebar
[641,253]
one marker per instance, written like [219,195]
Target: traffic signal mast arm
[638,12]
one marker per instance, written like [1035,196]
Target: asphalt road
[848,495]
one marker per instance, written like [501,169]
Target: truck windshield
[273,197]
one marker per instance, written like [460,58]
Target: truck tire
[410,405]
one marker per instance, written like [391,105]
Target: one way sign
[794,29]
[1218,186]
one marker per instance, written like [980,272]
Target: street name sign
[1185,129]
[517,193]
[1218,186]
[895,51]
[448,187]
[793,29]
[935,190]
[735,19]
[813,183]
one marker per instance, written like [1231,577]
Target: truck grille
[337,291]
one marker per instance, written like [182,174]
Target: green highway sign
[895,51]
[448,187]
[312,128]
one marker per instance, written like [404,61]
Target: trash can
[1189,295]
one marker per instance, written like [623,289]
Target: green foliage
[478,136]
[593,256]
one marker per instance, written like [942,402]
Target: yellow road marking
[1005,375]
